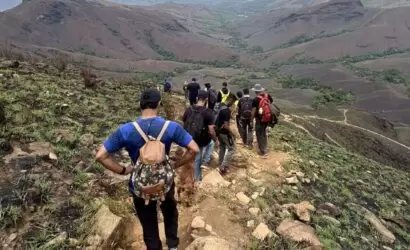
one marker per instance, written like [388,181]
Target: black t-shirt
[193,89]
[255,104]
[208,117]
[223,116]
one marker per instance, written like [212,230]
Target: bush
[2,114]
[59,61]
[89,78]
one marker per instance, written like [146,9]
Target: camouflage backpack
[153,175]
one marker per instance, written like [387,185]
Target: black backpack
[194,124]
[246,107]
[212,97]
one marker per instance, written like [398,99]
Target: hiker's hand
[128,169]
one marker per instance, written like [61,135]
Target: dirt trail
[345,122]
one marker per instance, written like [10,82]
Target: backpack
[153,175]
[213,96]
[269,112]
[246,108]
[167,86]
[194,125]
[217,110]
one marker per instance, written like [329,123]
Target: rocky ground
[307,195]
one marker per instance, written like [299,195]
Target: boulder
[292,180]
[298,231]
[213,181]
[198,222]
[303,209]
[208,228]
[262,232]
[210,243]
[387,236]
[255,195]
[254,211]
[243,199]
[105,224]
[250,224]
[330,209]
[52,156]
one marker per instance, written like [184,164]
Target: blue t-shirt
[126,136]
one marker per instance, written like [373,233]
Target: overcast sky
[8,4]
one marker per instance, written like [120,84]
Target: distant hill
[106,30]
[329,30]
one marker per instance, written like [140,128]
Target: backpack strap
[141,132]
[164,128]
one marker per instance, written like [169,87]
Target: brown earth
[387,101]
[362,30]
[106,30]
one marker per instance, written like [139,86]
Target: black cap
[208,85]
[203,94]
[194,79]
[150,95]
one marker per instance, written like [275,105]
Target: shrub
[241,82]
[89,78]
[59,61]
[2,114]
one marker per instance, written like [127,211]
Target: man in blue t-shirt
[126,136]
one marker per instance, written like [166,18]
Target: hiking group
[206,125]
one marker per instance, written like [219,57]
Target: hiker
[185,89]
[258,112]
[146,155]
[244,118]
[225,136]
[223,94]
[212,96]
[193,88]
[167,85]
[199,122]
[239,95]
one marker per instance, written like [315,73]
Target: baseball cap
[203,94]
[151,95]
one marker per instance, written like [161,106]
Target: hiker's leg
[249,133]
[264,139]
[198,163]
[230,151]
[209,149]
[147,214]
[222,150]
[241,130]
[170,213]
[259,135]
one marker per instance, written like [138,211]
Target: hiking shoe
[173,248]
[205,165]
[264,156]
[222,171]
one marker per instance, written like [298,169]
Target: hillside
[327,31]
[106,30]
[308,193]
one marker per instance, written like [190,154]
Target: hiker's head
[245,91]
[258,89]
[207,85]
[239,94]
[231,100]
[202,96]
[224,84]
[193,79]
[150,99]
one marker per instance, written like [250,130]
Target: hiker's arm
[189,156]
[253,114]
[219,98]
[109,163]
[211,129]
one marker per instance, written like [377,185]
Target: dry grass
[89,78]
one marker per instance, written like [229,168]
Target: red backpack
[264,104]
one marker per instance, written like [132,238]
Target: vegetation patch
[328,95]
[352,183]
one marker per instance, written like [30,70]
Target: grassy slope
[346,180]
[38,106]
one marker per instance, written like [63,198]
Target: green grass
[391,76]
[349,181]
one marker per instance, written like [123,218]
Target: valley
[72,71]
